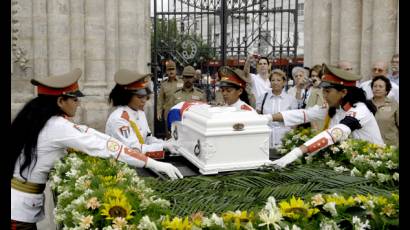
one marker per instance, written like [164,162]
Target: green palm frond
[248,190]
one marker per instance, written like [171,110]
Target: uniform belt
[28,187]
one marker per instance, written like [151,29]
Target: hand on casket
[288,158]
[171,146]
[166,168]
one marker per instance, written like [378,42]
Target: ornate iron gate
[209,33]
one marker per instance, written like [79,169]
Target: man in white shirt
[380,68]
[259,82]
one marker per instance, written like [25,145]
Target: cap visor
[325,84]
[142,92]
[77,93]
[226,84]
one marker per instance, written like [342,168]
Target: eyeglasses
[378,70]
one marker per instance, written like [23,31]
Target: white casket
[217,139]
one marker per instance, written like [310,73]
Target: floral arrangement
[95,193]
[358,157]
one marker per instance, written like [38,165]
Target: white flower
[375,164]
[396,176]
[217,220]
[331,163]
[329,224]
[294,227]
[146,223]
[72,173]
[271,214]
[344,145]
[86,222]
[383,177]
[119,223]
[93,203]
[369,174]
[391,165]
[358,225]
[331,207]
[317,200]
[355,172]
[340,169]
[334,149]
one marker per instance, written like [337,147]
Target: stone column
[111,48]
[350,29]
[58,36]
[321,31]
[95,107]
[22,46]
[366,40]
[335,32]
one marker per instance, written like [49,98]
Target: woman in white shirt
[275,101]
[300,76]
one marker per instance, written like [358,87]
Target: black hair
[244,95]
[119,96]
[266,58]
[354,95]
[386,81]
[26,127]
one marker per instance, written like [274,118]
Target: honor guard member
[188,92]
[167,89]
[128,122]
[232,85]
[348,113]
[42,133]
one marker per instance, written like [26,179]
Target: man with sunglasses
[380,69]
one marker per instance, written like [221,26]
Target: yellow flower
[381,200]
[197,218]
[388,210]
[395,196]
[237,217]
[296,209]
[116,205]
[361,199]
[177,223]
[93,203]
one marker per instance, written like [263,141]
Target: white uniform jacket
[259,86]
[241,105]
[118,125]
[369,130]
[57,135]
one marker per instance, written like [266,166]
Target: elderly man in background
[380,69]
[393,76]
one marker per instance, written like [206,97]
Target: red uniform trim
[136,85]
[347,106]
[233,79]
[137,155]
[125,115]
[188,104]
[155,154]
[317,145]
[41,89]
[245,107]
[336,80]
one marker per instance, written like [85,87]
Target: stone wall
[359,31]
[99,36]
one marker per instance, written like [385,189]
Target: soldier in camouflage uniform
[188,92]
[167,89]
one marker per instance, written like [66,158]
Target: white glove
[167,168]
[268,116]
[288,158]
[171,146]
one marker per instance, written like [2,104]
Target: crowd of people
[333,100]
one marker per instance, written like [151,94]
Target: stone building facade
[101,36]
